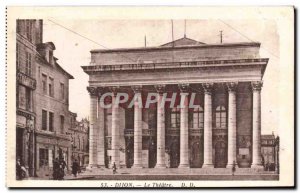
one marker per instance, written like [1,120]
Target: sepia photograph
[144,100]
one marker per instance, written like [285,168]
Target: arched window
[198,118]
[221,117]
[175,118]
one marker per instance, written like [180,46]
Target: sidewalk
[66,177]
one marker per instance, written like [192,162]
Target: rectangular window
[28,64]
[44,120]
[51,121]
[201,120]
[62,122]
[175,118]
[62,91]
[44,83]
[223,119]
[43,157]
[28,98]
[51,87]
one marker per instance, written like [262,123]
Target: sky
[74,39]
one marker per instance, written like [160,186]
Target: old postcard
[150,97]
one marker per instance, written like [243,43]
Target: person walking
[114,168]
[75,168]
[62,166]
[233,168]
[20,170]
[55,169]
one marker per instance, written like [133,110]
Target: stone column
[115,133]
[100,135]
[93,133]
[137,128]
[208,162]
[160,163]
[256,125]
[184,127]
[231,124]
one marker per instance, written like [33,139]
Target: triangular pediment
[182,42]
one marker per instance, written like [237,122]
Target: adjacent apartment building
[270,152]
[43,117]
[79,131]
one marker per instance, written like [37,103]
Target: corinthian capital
[93,90]
[231,86]
[183,87]
[256,86]
[160,88]
[208,87]
[136,88]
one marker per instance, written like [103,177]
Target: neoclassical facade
[225,82]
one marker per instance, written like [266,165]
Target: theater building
[224,128]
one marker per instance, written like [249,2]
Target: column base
[137,166]
[257,166]
[208,166]
[117,165]
[160,166]
[91,166]
[184,166]
[230,166]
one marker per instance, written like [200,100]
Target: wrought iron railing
[145,132]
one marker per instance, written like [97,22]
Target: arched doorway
[196,156]
[220,154]
[129,152]
[174,155]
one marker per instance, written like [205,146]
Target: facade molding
[180,65]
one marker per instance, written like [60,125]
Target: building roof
[182,42]
[47,44]
[267,137]
[38,54]
[179,45]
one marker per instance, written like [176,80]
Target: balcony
[219,131]
[26,80]
[173,131]
[146,132]
[176,132]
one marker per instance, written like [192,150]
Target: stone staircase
[176,171]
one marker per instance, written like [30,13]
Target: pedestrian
[75,168]
[20,170]
[55,169]
[233,168]
[62,166]
[114,168]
